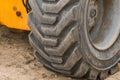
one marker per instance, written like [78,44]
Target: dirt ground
[18,63]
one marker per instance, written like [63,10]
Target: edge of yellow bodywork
[13,14]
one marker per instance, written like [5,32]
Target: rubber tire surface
[56,40]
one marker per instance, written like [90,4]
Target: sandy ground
[18,63]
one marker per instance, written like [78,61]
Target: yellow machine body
[13,14]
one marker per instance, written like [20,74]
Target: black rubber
[59,43]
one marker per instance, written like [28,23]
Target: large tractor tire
[77,38]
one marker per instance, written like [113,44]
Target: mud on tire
[59,39]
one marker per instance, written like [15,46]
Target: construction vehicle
[77,38]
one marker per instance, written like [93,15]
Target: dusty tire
[60,38]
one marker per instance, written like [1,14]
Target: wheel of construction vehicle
[77,38]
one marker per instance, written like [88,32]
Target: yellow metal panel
[13,14]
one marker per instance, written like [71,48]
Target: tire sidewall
[88,50]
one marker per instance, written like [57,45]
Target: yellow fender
[13,14]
